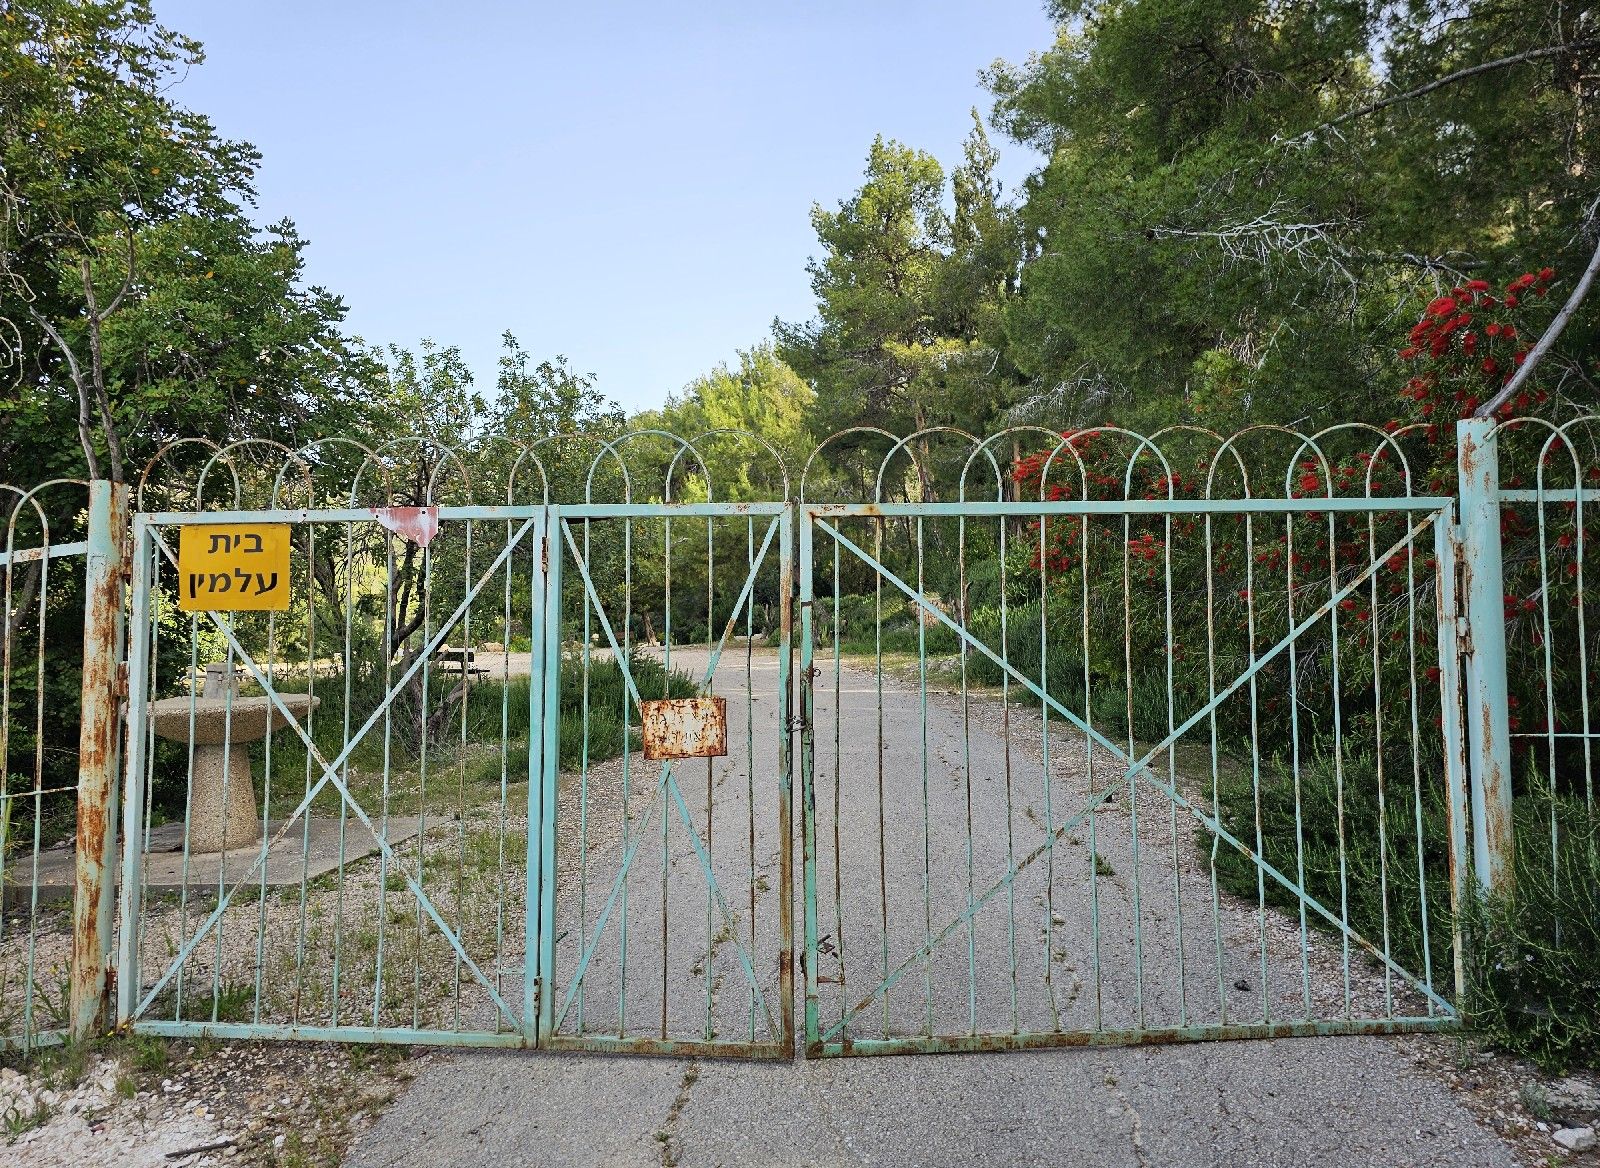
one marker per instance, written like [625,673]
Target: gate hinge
[119,682]
[797,724]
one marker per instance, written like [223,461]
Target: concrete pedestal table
[223,728]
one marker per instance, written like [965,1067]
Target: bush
[1533,968]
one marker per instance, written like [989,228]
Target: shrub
[1533,968]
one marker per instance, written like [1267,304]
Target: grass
[1372,876]
[482,740]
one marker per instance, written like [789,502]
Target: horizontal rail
[53,552]
[963,1043]
[1125,507]
[1552,495]
[458,514]
[669,1047]
[324,515]
[391,1035]
[665,510]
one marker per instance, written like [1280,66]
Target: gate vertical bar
[1446,550]
[550,727]
[97,756]
[785,773]
[808,799]
[538,764]
[1488,730]
[133,782]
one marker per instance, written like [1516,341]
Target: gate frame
[1441,511]
[128,982]
[779,1046]
[542,531]
[1472,654]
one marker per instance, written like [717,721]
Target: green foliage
[1533,970]
[1357,863]
[133,285]
[908,291]
[1187,162]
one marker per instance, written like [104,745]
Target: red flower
[1481,285]
[1444,306]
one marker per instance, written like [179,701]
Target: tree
[540,407]
[763,397]
[141,302]
[908,329]
[1241,198]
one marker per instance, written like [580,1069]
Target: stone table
[223,728]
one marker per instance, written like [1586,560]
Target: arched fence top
[864,464]
[43,516]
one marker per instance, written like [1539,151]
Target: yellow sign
[234,567]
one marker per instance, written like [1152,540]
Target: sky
[624,183]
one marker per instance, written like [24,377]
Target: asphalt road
[1167,954]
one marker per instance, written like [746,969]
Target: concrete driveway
[1344,1101]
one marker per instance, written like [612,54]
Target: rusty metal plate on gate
[685,727]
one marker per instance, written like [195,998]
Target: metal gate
[1021,831]
[1133,748]
[392,851]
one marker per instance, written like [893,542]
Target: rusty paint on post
[98,756]
[684,728]
[1488,729]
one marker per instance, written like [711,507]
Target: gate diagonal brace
[1136,768]
[666,782]
[330,775]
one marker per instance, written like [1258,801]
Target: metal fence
[60,632]
[1100,738]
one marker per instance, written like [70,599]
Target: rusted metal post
[98,755]
[1488,728]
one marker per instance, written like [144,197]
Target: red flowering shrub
[1469,344]
[1237,584]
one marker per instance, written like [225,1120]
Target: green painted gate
[1014,835]
[451,834]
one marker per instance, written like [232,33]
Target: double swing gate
[1119,744]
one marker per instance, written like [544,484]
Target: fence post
[98,755]
[1488,729]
